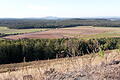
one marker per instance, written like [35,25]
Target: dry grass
[88,67]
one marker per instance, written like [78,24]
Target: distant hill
[51,18]
[56,22]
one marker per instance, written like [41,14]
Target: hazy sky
[59,8]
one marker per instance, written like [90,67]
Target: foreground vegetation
[87,67]
[13,51]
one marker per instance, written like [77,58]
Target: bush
[12,51]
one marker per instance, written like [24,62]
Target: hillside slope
[88,67]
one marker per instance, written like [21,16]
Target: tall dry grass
[88,67]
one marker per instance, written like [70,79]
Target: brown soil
[64,33]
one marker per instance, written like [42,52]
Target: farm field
[6,30]
[84,32]
[92,67]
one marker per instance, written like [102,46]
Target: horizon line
[61,17]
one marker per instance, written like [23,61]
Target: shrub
[12,51]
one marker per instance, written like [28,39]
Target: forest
[58,23]
[24,50]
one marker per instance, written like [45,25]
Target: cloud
[37,7]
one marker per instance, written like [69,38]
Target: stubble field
[74,32]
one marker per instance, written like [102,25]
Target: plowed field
[74,32]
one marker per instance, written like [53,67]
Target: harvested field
[6,30]
[74,32]
[88,67]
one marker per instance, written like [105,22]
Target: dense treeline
[41,23]
[12,51]
[4,34]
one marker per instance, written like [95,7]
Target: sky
[59,8]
